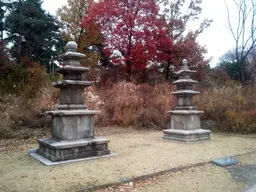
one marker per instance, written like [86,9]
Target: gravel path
[140,153]
[208,178]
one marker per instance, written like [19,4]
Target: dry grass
[141,105]
[232,107]
[18,112]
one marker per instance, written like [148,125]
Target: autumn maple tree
[178,15]
[133,34]
[71,17]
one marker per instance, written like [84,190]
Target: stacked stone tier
[72,58]
[72,123]
[72,69]
[185,119]
[191,111]
[182,73]
[75,149]
[184,81]
[73,112]
[184,99]
[185,92]
[72,83]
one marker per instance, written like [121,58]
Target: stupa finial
[71,56]
[184,64]
[72,46]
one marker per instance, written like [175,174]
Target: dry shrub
[141,105]
[17,112]
[92,100]
[24,100]
[232,107]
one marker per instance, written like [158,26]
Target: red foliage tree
[193,51]
[133,34]
[178,15]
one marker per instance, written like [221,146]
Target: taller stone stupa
[72,123]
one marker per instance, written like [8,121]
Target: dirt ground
[139,153]
[210,178]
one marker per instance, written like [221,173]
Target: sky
[216,38]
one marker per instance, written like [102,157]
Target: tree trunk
[167,75]
[129,70]
[242,75]
[2,35]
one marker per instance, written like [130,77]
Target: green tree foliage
[4,57]
[234,68]
[33,33]
[2,12]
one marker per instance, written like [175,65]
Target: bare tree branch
[244,39]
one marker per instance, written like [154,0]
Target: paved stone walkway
[245,171]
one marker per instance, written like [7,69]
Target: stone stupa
[72,123]
[185,122]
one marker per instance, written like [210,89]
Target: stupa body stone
[185,122]
[72,123]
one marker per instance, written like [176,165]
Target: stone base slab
[187,135]
[33,153]
[55,151]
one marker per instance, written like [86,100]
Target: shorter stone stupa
[72,123]
[185,119]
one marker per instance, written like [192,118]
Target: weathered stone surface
[68,150]
[185,122]
[185,92]
[186,73]
[70,127]
[72,69]
[72,57]
[72,46]
[72,83]
[33,153]
[190,108]
[187,135]
[185,81]
[73,112]
[71,106]
[186,112]
[76,98]
[184,101]
[73,143]
[72,123]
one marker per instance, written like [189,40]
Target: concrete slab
[251,189]
[73,143]
[187,136]
[33,153]
[73,112]
[186,132]
[226,161]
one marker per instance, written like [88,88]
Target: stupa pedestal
[72,123]
[185,122]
